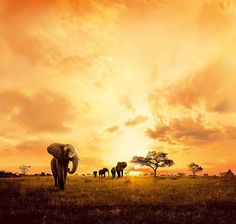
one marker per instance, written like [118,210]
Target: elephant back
[105,169]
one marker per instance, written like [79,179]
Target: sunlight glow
[134,173]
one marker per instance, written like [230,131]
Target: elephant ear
[122,164]
[56,150]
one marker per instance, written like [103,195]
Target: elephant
[95,173]
[120,167]
[62,155]
[103,171]
[113,172]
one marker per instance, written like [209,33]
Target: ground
[128,200]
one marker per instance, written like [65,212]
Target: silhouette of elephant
[113,172]
[102,172]
[120,167]
[62,155]
[95,173]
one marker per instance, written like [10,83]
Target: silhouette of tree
[154,160]
[194,168]
[24,169]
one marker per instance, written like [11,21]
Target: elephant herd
[118,169]
[65,153]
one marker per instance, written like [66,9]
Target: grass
[127,200]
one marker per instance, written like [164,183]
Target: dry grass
[127,200]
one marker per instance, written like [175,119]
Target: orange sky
[116,79]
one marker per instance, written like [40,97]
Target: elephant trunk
[75,161]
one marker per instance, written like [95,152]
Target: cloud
[33,145]
[96,57]
[213,86]
[66,35]
[137,120]
[190,132]
[44,111]
[113,129]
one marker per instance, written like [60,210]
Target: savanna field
[127,200]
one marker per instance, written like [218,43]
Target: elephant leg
[121,173]
[54,170]
[55,179]
[65,171]
[61,180]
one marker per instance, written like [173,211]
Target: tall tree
[153,160]
[194,168]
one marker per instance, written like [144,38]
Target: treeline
[5,174]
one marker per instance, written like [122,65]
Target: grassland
[127,200]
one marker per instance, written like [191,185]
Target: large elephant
[113,172]
[120,167]
[62,155]
[103,171]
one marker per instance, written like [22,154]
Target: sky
[118,78]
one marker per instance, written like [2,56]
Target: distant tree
[153,160]
[24,169]
[194,168]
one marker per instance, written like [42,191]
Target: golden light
[134,173]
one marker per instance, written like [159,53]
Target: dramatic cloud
[42,112]
[188,131]
[37,146]
[137,120]
[71,68]
[212,86]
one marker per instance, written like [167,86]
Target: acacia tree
[194,168]
[24,169]
[154,160]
